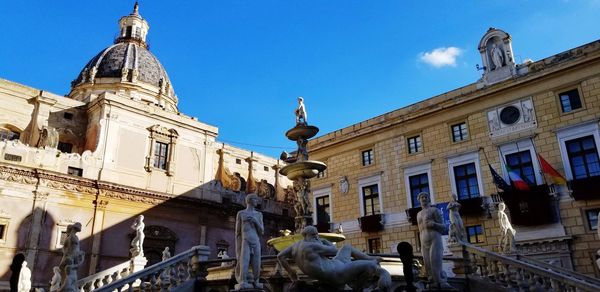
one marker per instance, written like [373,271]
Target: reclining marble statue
[248,228]
[431,226]
[312,256]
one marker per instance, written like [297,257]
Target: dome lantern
[133,28]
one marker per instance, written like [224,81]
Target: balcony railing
[371,223]
[471,206]
[411,214]
[535,206]
[586,188]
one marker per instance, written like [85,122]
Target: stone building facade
[117,146]
[447,143]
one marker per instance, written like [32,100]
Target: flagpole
[537,157]
[489,165]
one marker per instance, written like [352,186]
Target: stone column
[97,227]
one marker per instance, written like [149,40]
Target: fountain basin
[301,131]
[280,243]
[303,169]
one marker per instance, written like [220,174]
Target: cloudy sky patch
[441,57]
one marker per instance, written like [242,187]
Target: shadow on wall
[178,223]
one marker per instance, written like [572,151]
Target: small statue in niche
[344,186]
[497,56]
[166,254]
[300,112]
[137,244]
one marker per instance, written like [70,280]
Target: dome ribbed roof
[111,61]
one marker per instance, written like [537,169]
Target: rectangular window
[65,147]
[238,161]
[367,157]
[570,100]
[374,245]
[475,234]
[418,183]
[323,211]
[128,31]
[161,150]
[68,116]
[459,132]
[465,177]
[414,144]
[75,171]
[12,157]
[521,163]
[265,168]
[2,229]
[371,200]
[592,218]
[583,157]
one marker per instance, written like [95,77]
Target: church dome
[121,59]
[127,68]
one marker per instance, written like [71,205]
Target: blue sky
[240,65]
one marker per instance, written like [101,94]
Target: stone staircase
[477,269]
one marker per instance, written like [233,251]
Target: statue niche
[496,52]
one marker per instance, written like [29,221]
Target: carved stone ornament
[344,185]
[17,175]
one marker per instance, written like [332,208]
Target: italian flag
[516,180]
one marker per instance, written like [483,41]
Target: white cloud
[441,57]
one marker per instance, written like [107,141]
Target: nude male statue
[137,244]
[507,232]
[311,254]
[431,226]
[301,112]
[248,228]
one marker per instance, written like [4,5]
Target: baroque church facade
[117,146]
[538,120]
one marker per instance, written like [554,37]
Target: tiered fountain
[300,170]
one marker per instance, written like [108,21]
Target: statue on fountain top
[301,113]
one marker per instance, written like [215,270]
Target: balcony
[323,227]
[471,206]
[530,208]
[371,223]
[586,188]
[411,214]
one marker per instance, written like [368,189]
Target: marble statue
[56,279]
[320,260]
[166,254]
[137,244]
[497,57]
[248,228]
[24,278]
[344,185]
[301,112]
[224,256]
[507,232]
[457,231]
[48,138]
[71,260]
[431,226]
[302,153]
